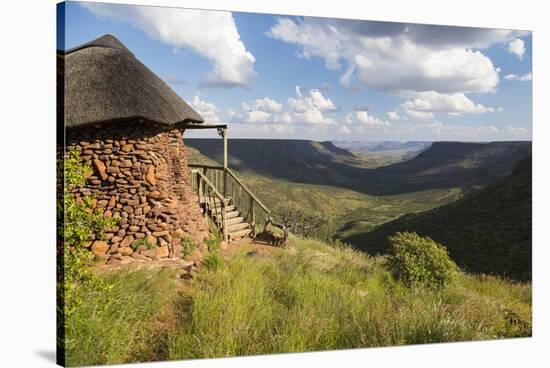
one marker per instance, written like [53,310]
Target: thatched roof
[104,82]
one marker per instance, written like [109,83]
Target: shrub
[188,245]
[420,261]
[212,261]
[139,242]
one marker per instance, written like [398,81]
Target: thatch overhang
[102,82]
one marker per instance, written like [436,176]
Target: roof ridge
[107,41]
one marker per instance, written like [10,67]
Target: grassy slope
[125,324]
[487,231]
[314,297]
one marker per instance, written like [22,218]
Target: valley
[353,200]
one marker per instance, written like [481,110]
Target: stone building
[129,127]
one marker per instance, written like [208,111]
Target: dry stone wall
[140,176]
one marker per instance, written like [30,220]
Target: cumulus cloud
[393,115]
[362,123]
[263,104]
[211,34]
[207,110]
[517,47]
[305,108]
[395,57]
[521,78]
[310,108]
[364,118]
[424,104]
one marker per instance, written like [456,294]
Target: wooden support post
[224,225]
[224,178]
[224,135]
[199,190]
[252,217]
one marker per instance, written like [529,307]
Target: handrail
[210,188]
[227,187]
[215,167]
[245,188]
[209,183]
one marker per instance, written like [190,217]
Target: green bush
[139,242]
[188,245]
[212,261]
[420,261]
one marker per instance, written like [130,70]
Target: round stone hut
[129,127]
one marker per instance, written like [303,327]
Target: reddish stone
[100,247]
[162,252]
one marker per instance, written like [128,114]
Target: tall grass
[322,298]
[122,323]
[311,297]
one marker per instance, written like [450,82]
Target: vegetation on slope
[342,211]
[311,297]
[488,231]
[126,322]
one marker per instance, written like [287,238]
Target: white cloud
[315,101]
[424,104]
[420,115]
[363,118]
[397,57]
[211,34]
[263,104]
[517,131]
[393,115]
[517,47]
[344,130]
[304,108]
[521,78]
[310,108]
[207,110]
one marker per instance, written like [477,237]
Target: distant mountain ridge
[382,146]
[487,231]
[442,165]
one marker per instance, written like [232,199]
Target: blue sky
[278,76]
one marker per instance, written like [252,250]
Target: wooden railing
[234,191]
[213,201]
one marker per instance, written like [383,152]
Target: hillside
[257,299]
[487,231]
[294,160]
[338,205]
[442,165]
